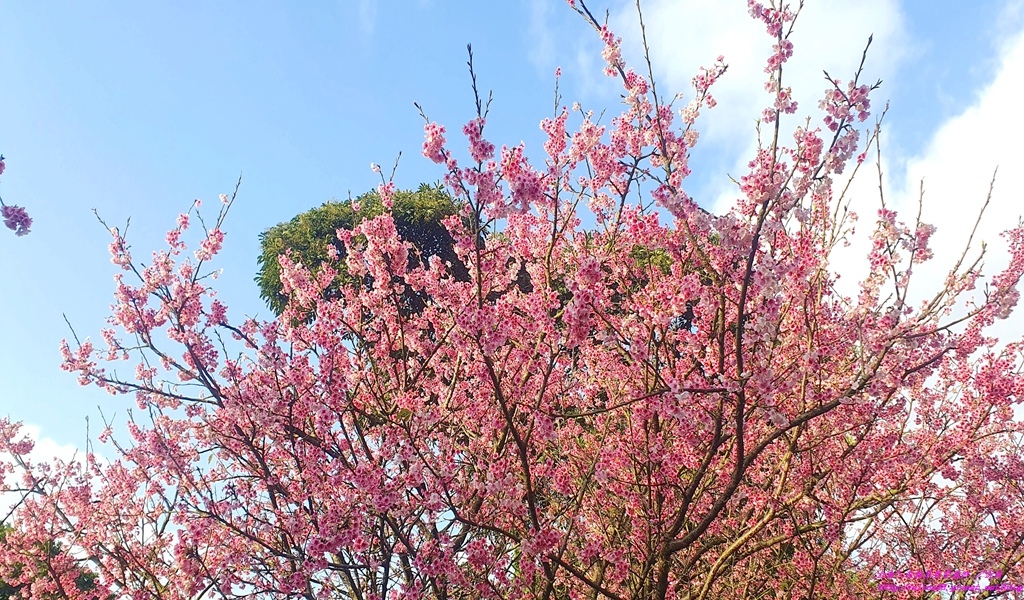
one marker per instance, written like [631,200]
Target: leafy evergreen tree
[309,235]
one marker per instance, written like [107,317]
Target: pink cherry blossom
[16,219]
[434,145]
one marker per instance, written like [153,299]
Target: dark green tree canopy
[418,215]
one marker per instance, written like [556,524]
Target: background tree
[310,238]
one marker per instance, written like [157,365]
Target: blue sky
[137,109]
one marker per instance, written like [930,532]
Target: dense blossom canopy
[716,423]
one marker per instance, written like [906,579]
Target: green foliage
[417,214]
[648,257]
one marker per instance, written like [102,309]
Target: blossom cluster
[15,217]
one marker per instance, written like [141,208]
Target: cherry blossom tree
[538,442]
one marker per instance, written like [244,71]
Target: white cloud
[957,165]
[830,35]
[45,451]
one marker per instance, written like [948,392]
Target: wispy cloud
[1011,21]
[368,16]
[542,49]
